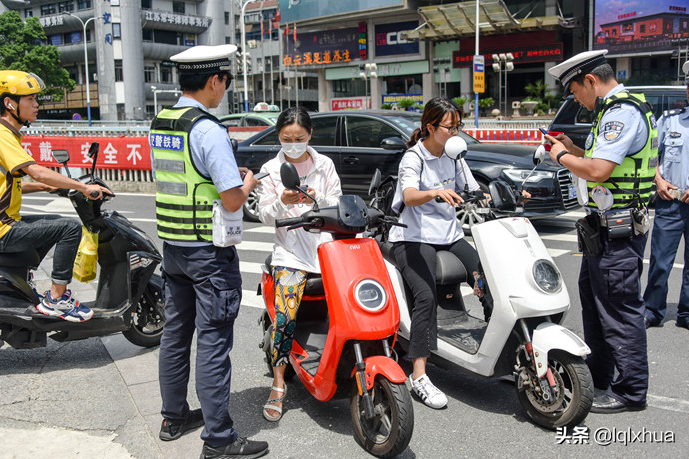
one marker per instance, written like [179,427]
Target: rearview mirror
[375,182]
[289,176]
[393,143]
[61,156]
[234,144]
[539,155]
[456,147]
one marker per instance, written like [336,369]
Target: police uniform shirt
[212,154]
[622,131]
[673,148]
[432,222]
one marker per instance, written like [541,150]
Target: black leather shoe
[241,448]
[606,404]
[683,323]
[172,429]
[648,323]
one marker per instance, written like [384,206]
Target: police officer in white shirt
[671,220]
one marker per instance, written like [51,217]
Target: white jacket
[297,248]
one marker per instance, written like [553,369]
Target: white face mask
[293,150]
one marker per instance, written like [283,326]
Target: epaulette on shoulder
[676,111]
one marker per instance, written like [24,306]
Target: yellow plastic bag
[86,261]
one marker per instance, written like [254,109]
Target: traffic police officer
[617,168]
[671,216]
[194,166]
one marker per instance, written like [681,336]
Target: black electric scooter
[129,296]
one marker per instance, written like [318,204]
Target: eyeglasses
[227,79]
[453,129]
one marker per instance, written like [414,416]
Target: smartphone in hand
[261,175]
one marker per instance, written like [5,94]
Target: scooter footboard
[381,365]
[548,336]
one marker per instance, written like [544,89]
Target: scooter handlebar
[288,221]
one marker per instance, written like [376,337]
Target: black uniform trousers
[613,317]
[202,294]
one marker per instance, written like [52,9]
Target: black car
[358,142]
[575,120]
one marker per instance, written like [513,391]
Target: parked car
[575,120]
[358,142]
[250,119]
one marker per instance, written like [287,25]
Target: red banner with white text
[128,153]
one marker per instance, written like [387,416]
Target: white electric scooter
[523,337]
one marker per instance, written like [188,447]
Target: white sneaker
[431,395]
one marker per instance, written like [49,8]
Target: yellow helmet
[18,83]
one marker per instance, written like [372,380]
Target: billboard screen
[300,10]
[640,26]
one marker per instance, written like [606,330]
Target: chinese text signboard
[350,103]
[336,46]
[479,75]
[128,153]
[522,55]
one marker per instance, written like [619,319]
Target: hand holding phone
[543,131]
[261,175]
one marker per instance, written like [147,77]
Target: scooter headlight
[547,276]
[370,295]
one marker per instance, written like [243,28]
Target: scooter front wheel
[388,433]
[573,392]
[149,316]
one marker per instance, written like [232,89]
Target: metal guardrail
[141,128]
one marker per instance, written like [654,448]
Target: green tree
[23,47]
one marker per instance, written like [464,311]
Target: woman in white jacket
[294,253]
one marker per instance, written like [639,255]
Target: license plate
[572,191]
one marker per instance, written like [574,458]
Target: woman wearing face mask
[294,253]
[425,176]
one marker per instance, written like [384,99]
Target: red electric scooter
[347,323]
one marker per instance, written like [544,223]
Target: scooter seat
[314,282]
[27,258]
[448,269]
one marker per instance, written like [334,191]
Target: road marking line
[559,237]
[668,403]
[557,252]
[261,229]
[250,299]
[255,246]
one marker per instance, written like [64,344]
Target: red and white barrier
[520,136]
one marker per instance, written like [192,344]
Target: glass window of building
[165,74]
[146,4]
[149,74]
[48,9]
[55,39]
[178,7]
[28,12]
[147,35]
[119,75]
[227,18]
[116,30]
[64,7]
[84,4]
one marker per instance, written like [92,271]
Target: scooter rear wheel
[149,316]
[390,430]
[573,401]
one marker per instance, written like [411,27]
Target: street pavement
[99,398]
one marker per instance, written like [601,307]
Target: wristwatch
[560,155]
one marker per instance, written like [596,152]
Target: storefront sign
[363,41]
[389,39]
[479,74]
[384,70]
[325,47]
[115,152]
[350,103]
[522,55]
[394,98]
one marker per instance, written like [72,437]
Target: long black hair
[433,113]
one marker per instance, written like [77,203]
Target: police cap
[581,64]
[205,59]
